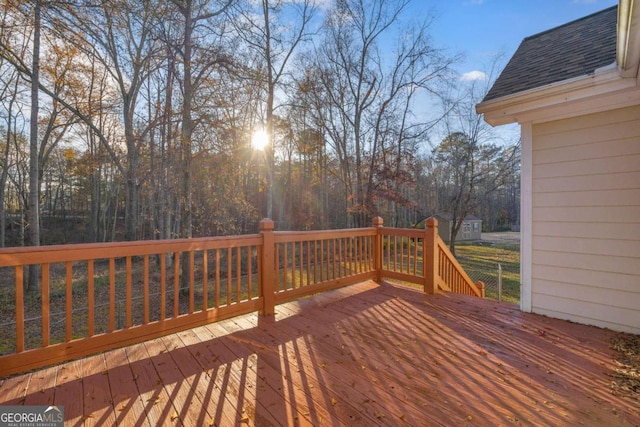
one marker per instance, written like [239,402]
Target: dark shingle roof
[570,50]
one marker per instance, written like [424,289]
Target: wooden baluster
[112,294]
[229,276]
[45,305]
[176,284]
[145,288]
[69,301]
[217,302]
[249,273]
[239,274]
[19,284]
[205,280]
[90,296]
[192,279]
[128,292]
[163,286]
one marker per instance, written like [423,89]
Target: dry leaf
[174,416]
[333,401]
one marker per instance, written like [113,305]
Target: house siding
[585,245]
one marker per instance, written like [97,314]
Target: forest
[163,119]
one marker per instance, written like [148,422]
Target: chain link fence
[494,260]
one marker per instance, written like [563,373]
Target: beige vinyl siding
[586,219]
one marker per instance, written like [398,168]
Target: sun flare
[259,140]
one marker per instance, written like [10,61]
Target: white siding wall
[586,219]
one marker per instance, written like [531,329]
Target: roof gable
[571,50]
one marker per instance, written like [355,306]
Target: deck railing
[94,297]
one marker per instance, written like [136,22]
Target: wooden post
[480,286]
[378,251]
[430,255]
[268,265]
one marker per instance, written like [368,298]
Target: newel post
[480,286]
[267,261]
[378,250]
[430,255]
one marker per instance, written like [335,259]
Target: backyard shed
[575,92]
[471,228]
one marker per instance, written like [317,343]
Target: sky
[480,29]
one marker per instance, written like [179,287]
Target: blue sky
[482,28]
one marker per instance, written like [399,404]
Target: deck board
[97,407]
[362,355]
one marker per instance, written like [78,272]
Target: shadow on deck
[362,355]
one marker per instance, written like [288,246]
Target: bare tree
[369,96]
[120,35]
[274,43]
[193,12]
[472,157]
[10,99]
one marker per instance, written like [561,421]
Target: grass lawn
[480,260]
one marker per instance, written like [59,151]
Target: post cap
[267,224]
[432,222]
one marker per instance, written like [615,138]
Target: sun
[259,140]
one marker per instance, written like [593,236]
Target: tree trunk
[34,206]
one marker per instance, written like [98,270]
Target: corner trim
[526,216]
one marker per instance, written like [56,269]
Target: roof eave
[538,103]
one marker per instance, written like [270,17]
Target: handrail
[107,295]
[129,292]
[421,257]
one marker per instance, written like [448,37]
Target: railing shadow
[364,355]
[242,367]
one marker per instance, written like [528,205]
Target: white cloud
[473,75]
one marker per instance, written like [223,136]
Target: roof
[571,50]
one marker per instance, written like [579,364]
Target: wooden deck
[361,355]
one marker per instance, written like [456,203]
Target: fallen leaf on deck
[154,400]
